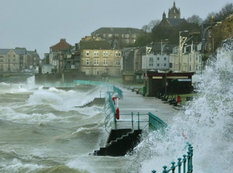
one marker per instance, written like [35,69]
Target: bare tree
[195,19]
[150,25]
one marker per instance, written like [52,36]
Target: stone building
[98,58]
[118,37]
[63,57]
[18,60]
[174,13]
[188,60]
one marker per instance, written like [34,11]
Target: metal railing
[183,165]
[155,123]
[118,91]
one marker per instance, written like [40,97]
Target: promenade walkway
[132,102]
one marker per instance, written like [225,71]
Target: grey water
[46,130]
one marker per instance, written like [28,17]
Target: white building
[155,62]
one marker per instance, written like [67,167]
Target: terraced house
[99,58]
[18,59]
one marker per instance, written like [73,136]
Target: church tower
[174,13]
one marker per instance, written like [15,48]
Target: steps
[120,142]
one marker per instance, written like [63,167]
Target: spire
[164,15]
[174,4]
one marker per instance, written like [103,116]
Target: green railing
[89,82]
[112,106]
[155,123]
[183,165]
[118,91]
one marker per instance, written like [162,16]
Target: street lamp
[182,41]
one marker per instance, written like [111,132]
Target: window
[157,65]
[105,53]
[118,53]
[151,62]
[165,58]
[164,65]
[118,62]
[87,53]
[96,53]
[158,58]
[105,61]
[87,62]
[96,61]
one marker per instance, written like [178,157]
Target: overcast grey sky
[39,24]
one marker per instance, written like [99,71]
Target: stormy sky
[39,24]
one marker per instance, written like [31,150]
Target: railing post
[179,165]
[138,121]
[191,155]
[188,164]
[173,167]
[184,161]
[165,169]
[132,120]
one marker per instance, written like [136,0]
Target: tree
[221,15]
[195,19]
[150,26]
[143,40]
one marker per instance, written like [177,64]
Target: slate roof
[116,30]
[176,22]
[20,51]
[4,51]
[92,44]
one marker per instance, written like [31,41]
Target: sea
[50,130]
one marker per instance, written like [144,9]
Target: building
[118,37]
[173,19]
[188,59]
[157,57]
[167,83]
[18,60]
[98,58]
[174,13]
[63,57]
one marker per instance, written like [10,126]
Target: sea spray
[207,124]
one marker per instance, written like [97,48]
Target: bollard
[178,99]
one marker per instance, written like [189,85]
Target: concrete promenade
[132,102]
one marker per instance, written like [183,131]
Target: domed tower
[174,13]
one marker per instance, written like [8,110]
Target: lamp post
[182,41]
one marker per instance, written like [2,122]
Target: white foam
[207,124]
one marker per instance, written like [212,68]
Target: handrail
[155,122]
[186,162]
[118,91]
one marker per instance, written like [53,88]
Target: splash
[207,123]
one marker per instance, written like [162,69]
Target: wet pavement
[133,103]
